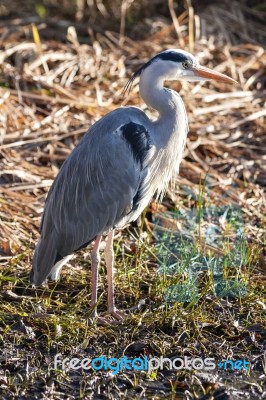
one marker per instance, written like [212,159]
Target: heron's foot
[118,315]
[112,317]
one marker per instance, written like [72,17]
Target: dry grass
[51,91]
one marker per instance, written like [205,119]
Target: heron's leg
[95,261]
[109,259]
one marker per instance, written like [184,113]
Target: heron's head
[178,65]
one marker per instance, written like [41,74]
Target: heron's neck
[170,129]
[166,102]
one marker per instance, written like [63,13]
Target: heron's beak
[209,74]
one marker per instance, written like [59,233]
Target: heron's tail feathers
[44,259]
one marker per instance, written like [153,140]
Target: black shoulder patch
[138,139]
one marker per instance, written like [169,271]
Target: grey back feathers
[95,188]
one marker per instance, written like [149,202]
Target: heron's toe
[118,315]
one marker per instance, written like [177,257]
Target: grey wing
[96,187]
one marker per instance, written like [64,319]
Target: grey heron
[112,174]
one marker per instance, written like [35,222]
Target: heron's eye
[186,64]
